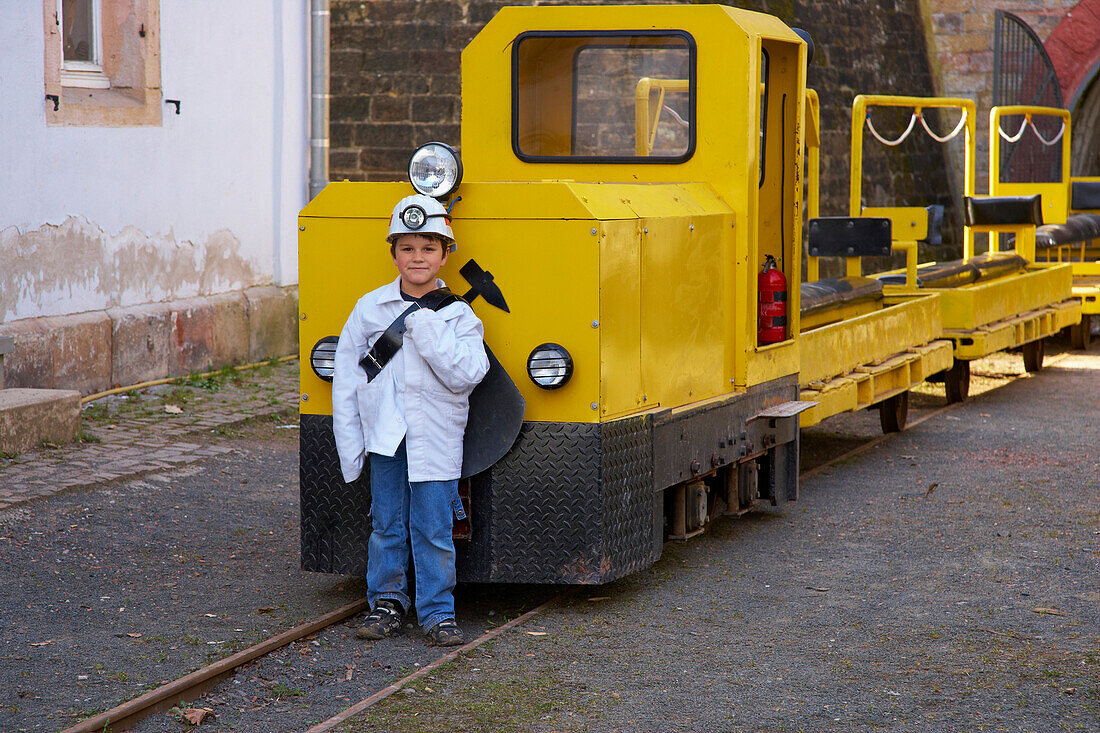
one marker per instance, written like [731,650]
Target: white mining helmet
[420,214]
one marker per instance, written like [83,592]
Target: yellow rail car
[989,302]
[626,171]
[1070,232]
[859,348]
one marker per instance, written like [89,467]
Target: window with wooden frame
[102,62]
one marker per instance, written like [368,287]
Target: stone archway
[1074,48]
[1085,153]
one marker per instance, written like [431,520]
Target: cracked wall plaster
[76,267]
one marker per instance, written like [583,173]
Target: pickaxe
[481,283]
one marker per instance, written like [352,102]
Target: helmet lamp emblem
[414,217]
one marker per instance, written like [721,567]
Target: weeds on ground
[282,690]
[211,382]
[517,701]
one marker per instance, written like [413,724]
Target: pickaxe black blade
[481,283]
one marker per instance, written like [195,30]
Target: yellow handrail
[812,127]
[645,121]
[860,106]
[1055,193]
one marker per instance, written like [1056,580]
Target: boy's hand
[420,317]
[453,349]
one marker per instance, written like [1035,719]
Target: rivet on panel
[595,324]
[594,406]
[593,231]
[305,397]
[691,227]
[302,317]
[302,228]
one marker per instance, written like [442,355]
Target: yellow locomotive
[626,171]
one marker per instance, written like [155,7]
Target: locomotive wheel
[893,411]
[1033,355]
[1081,334]
[957,381]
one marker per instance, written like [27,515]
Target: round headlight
[549,366]
[323,358]
[435,170]
[413,217]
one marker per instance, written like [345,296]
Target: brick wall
[395,85]
[963,41]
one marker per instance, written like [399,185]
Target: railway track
[194,685]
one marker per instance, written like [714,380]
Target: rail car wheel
[893,411]
[956,381]
[1081,334]
[1033,355]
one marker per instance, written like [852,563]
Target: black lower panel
[335,515]
[570,503]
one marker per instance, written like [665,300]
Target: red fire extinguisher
[771,320]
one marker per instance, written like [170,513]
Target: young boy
[408,420]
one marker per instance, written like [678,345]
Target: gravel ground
[875,602]
[110,591]
[944,580]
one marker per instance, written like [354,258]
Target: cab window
[603,97]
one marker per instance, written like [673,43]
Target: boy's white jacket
[422,395]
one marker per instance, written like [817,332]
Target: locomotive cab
[626,171]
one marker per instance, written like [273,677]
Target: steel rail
[385,692]
[191,686]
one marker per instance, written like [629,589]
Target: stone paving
[125,436]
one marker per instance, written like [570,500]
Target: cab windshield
[603,97]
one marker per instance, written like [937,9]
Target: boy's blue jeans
[419,513]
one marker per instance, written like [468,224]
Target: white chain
[898,141]
[1043,140]
[1012,138]
[950,135]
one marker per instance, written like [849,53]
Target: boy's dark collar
[392,291]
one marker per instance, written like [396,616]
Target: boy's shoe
[445,633]
[386,619]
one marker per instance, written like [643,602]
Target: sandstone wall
[94,351]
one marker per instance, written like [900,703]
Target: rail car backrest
[1085,195]
[1055,193]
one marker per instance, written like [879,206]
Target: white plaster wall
[224,179]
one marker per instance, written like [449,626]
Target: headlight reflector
[549,366]
[435,170]
[323,358]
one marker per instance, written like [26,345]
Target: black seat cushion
[1078,228]
[997,264]
[823,294]
[950,274]
[1085,195]
[1002,210]
[961,272]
